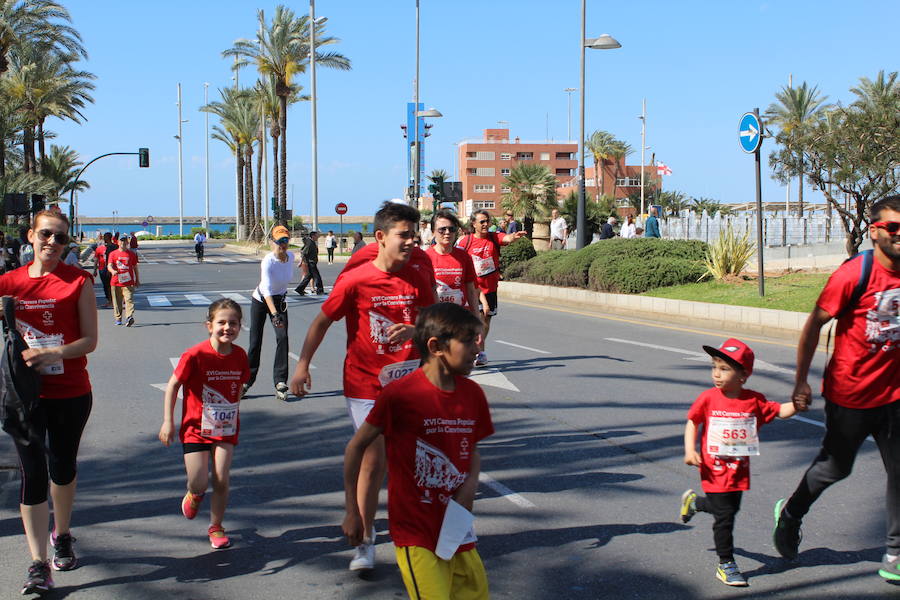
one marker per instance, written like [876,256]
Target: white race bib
[124,277]
[448,294]
[729,436]
[220,417]
[395,371]
[483,266]
[37,340]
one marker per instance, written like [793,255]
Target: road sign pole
[759,215]
[342,231]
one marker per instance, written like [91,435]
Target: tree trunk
[248,191]
[259,178]
[239,154]
[275,183]
[282,125]
[26,143]
[41,149]
[598,168]
[2,155]
[800,195]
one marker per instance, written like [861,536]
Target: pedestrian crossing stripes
[171,300]
[193,261]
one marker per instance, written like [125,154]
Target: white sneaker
[481,359]
[364,555]
[281,391]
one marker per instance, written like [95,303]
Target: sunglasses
[481,222]
[450,229]
[892,227]
[283,240]
[45,234]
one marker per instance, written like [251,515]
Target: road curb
[767,322]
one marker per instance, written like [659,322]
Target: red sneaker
[217,538]
[190,504]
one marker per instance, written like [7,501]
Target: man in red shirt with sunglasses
[861,383]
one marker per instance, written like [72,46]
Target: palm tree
[795,110]
[225,136]
[10,131]
[280,51]
[619,152]
[40,22]
[884,92]
[600,144]
[61,167]
[532,192]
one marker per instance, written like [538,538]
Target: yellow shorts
[428,577]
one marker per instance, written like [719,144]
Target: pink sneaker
[190,504]
[217,538]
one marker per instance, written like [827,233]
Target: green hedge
[519,251]
[638,276]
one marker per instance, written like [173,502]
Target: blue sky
[700,65]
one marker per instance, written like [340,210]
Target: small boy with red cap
[730,417]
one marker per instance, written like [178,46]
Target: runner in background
[101,255]
[453,267]
[123,266]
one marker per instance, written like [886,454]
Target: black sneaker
[729,574]
[129,322]
[40,580]
[63,556]
[787,534]
[244,389]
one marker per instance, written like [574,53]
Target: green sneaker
[729,574]
[890,569]
[688,505]
[787,534]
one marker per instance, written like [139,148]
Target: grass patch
[796,292]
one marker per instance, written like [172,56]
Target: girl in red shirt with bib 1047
[211,375]
[730,417]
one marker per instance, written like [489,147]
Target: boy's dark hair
[445,321]
[446,213]
[391,213]
[226,304]
[888,202]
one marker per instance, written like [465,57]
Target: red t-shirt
[864,371]
[485,253]
[100,254]
[123,261]
[371,301]
[418,259]
[430,435]
[453,272]
[211,386]
[728,473]
[47,315]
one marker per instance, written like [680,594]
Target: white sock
[890,557]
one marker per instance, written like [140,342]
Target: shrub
[515,271]
[540,269]
[638,276]
[729,254]
[519,251]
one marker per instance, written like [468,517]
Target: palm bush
[728,255]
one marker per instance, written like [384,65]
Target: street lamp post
[206,103]
[180,169]
[643,119]
[314,133]
[569,91]
[604,42]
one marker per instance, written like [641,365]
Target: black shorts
[492,304]
[189,447]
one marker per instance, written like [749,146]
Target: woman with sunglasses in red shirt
[56,314]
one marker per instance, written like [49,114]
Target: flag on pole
[662,168]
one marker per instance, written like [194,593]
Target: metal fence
[777,230]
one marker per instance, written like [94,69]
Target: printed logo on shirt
[47,317]
[435,471]
[378,328]
[883,321]
[35,338]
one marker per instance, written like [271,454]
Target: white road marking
[197,299]
[657,347]
[171,262]
[227,260]
[493,378]
[758,365]
[522,347]
[210,260]
[295,357]
[236,297]
[174,360]
[163,386]
[158,301]
[504,491]
[821,424]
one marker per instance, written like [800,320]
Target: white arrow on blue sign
[750,132]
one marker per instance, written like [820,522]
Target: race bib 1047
[732,436]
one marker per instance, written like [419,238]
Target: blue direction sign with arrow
[750,132]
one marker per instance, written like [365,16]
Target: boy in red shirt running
[484,248]
[380,301]
[730,417]
[432,421]
[122,265]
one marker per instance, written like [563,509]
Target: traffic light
[143,157]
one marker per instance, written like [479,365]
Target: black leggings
[259,314]
[59,423]
[723,506]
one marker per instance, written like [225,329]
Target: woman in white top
[277,271]
[330,245]
[629,228]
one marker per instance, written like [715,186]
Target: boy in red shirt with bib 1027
[212,374]
[432,421]
[730,417]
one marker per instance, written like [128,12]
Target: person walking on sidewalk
[199,241]
[123,266]
[277,269]
[861,384]
[651,225]
[310,256]
[330,245]
[56,311]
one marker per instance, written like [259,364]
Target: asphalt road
[581,483]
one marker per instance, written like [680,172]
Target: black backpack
[20,385]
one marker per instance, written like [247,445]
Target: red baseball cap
[735,352]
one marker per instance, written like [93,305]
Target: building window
[567,172]
[525,156]
[484,188]
[482,171]
[628,182]
[505,189]
[545,156]
[482,155]
[470,155]
[504,172]
[505,156]
[564,156]
[623,203]
[483,204]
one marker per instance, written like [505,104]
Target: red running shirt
[430,435]
[123,261]
[452,272]
[864,371]
[371,301]
[47,315]
[485,253]
[211,387]
[100,256]
[728,473]
[418,259]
